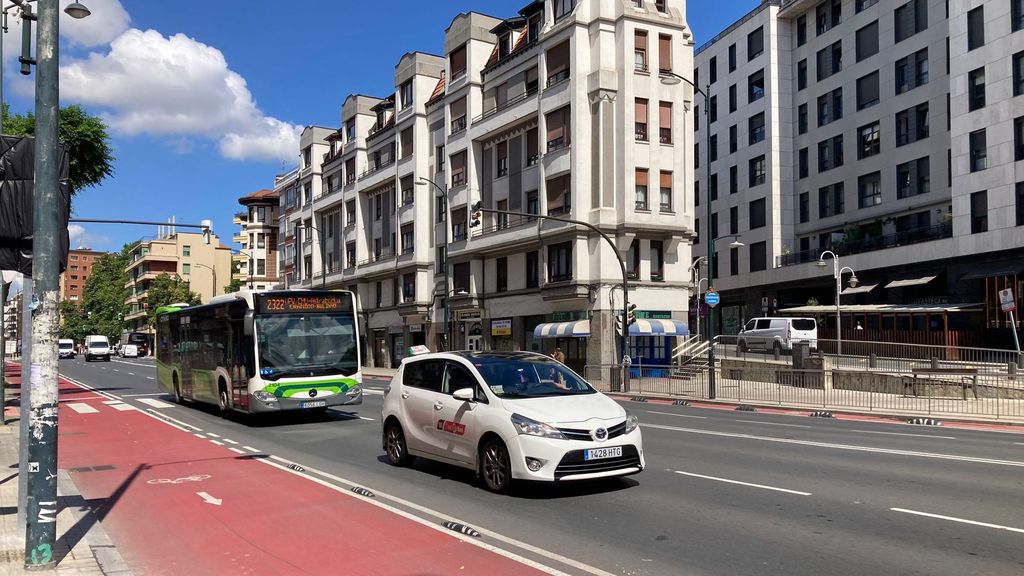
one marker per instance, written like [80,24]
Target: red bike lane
[153,487]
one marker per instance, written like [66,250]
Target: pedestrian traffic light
[632,315]
[618,324]
[477,213]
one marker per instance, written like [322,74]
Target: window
[440,210]
[405,93]
[657,261]
[976,89]
[830,153]
[802,163]
[640,122]
[664,53]
[801,114]
[1016,15]
[640,51]
[979,212]
[350,255]
[869,189]
[912,71]
[912,124]
[734,218]
[732,57]
[801,74]
[261,241]
[732,98]
[734,184]
[733,144]
[913,178]
[405,142]
[755,128]
[713,148]
[532,147]
[1018,73]
[755,86]
[1018,139]
[755,43]
[976,28]
[458,170]
[867,91]
[911,18]
[758,257]
[869,140]
[757,213]
[641,189]
[830,107]
[532,269]
[867,41]
[560,262]
[862,4]
[661,5]
[801,30]
[714,226]
[532,206]
[186,268]
[457,113]
[261,267]
[502,273]
[827,15]
[440,156]
[831,200]
[979,151]
[350,129]
[457,62]
[805,207]
[713,109]
[378,207]
[665,122]
[757,171]
[409,287]
[829,60]
[563,8]
[501,151]
[186,250]
[408,239]
[665,192]
[558,63]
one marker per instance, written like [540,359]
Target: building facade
[72,280]
[256,264]
[560,110]
[880,131]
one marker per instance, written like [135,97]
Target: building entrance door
[475,343]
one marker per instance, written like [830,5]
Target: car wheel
[495,466]
[394,445]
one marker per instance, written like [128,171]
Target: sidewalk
[83,546]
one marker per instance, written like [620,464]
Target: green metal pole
[711,243]
[41,532]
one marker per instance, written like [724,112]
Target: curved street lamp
[837,273]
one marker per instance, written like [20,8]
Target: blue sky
[200,96]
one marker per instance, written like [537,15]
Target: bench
[968,378]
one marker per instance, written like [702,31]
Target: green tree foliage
[88,144]
[72,322]
[103,308]
[235,286]
[166,290]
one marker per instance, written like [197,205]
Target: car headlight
[531,427]
[631,423]
[264,396]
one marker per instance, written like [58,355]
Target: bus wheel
[394,444]
[223,401]
[177,391]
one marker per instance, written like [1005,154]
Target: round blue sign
[711,298]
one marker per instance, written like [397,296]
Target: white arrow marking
[209,499]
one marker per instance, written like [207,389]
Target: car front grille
[577,434]
[573,463]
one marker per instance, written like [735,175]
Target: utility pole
[41,533]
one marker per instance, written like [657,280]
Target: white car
[509,416]
[128,351]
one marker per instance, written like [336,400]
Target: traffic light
[618,324]
[477,213]
[632,315]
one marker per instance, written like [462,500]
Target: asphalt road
[725,492]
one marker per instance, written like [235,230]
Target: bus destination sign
[284,304]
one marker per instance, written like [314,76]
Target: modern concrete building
[182,255]
[865,128]
[257,262]
[72,281]
[559,110]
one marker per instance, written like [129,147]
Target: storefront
[398,345]
[569,333]
[652,338]
[501,334]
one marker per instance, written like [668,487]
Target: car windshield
[306,344]
[66,345]
[97,344]
[529,377]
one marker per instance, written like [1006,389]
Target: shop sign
[415,327]
[395,329]
[654,314]
[501,327]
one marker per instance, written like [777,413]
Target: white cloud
[80,238]
[176,86]
[106,21]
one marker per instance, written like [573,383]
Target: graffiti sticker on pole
[1006,300]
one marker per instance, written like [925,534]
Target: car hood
[566,409]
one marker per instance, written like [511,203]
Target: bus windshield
[306,345]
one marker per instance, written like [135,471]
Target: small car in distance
[128,351]
[509,416]
[66,348]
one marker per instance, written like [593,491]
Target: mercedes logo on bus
[600,435]
[312,393]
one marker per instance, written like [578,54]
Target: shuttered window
[558,129]
[665,122]
[867,41]
[665,53]
[867,91]
[457,61]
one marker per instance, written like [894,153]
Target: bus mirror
[248,322]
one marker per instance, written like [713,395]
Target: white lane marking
[122,407]
[433,525]
[81,408]
[149,394]
[365,418]
[678,415]
[80,398]
[228,441]
[842,446]
[111,402]
[1019,443]
[904,434]
[156,403]
[236,450]
[91,389]
[135,364]
[775,424]
[251,449]
[961,520]
[217,443]
[209,499]
[150,378]
[131,373]
[373,392]
[180,423]
[199,436]
[158,416]
[212,435]
[762,486]
[115,369]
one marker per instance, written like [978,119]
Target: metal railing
[873,243]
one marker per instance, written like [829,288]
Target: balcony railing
[640,130]
[458,124]
[512,222]
[383,255]
[378,166]
[561,277]
[907,237]
[642,205]
[558,77]
[557,144]
[665,135]
[502,106]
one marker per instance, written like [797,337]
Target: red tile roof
[438,90]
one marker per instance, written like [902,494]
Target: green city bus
[262,351]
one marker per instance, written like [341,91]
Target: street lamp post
[443,195]
[672,79]
[837,272]
[248,266]
[213,271]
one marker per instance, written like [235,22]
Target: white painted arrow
[209,499]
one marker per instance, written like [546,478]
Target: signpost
[1009,304]
[711,298]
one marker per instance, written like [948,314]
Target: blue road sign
[711,298]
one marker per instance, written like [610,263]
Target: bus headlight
[265,397]
[354,391]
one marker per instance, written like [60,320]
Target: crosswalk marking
[82,408]
[122,407]
[155,403]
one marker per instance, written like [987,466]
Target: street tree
[72,322]
[85,137]
[103,302]
[164,290]
[234,286]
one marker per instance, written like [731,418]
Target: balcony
[905,238]
[378,132]
[558,77]
[377,166]
[458,125]
[507,104]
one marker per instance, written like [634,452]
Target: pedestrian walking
[558,355]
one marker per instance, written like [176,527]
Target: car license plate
[315,404]
[599,453]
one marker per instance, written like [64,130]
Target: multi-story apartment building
[256,264]
[299,250]
[181,255]
[864,128]
[72,280]
[560,110]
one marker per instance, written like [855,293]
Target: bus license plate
[314,404]
[599,453]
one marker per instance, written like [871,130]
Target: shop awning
[659,328]
[921,280]
[860,289]
[574,329]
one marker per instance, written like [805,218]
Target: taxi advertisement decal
[451,427]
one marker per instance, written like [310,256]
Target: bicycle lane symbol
[193,478]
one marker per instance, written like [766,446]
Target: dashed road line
[131,373]
[955,519]
[212,435]
[229,441]
[903,434]
[217,443]
[123,407]
[251,449]
[728,481]
[236,450]
[150,378]
[199,436]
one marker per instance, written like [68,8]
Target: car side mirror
[464,394]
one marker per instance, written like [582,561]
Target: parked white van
[777,334]
[97,347]
[66,348]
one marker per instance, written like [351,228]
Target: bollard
[935,363]
[873,360]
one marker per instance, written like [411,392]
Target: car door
[762,330]
[456,432]
[421,389]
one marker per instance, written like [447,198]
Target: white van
[777,334]
[97,347]
[66,348]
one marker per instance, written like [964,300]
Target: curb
[103,549]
